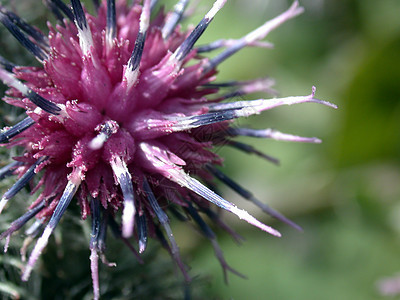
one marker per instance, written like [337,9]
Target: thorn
[94,256]
[222,43]
[187,45]
[132,70]
[271,134]
[6,135]
[249,196]
[22,38]
[153,4]
[111,29]
[256,35]
[174,18]
[251,150]
[21,221]
[20,183]
[124,179]
[10,80]
[6,65]
[9,169]
[62,205]
[60,6]
[141,231]
[85,35]
[35,34]
[177,175]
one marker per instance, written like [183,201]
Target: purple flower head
[122,116]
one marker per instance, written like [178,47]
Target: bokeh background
[345,192]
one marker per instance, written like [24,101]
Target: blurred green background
[345,192]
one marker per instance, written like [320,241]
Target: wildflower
[123,115]
[389,286]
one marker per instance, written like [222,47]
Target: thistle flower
[123,115]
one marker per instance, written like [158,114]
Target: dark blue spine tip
[233,132]
[188,44]
[223,56]
[111,18]
[222,84]
[35,229]
[95,211]
[161,215]
[247,132]
[125,183]
[16,129]
[62,205]
[234,94]
[6,65]
[141,231]
[21,221]
[210,47]
[205,229]
[213,117]
[23,180]
[79,14]
[64,8]
[174,18]
[101,241]
[54,9]
[161,238]
[153,4]
[136,56]
[28,29]
[21,37]
[251,150]
[249,196]
[58,8]
[43,103]
[229,182]
[8,170]
[211,214]
[177,214]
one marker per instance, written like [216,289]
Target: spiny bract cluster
[118,115]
